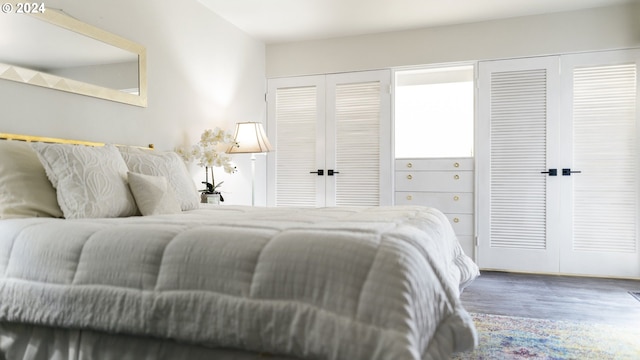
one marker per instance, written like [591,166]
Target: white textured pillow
[153,194]
[91,182]
[169,165]
[25,190]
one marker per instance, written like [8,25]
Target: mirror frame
[33,77]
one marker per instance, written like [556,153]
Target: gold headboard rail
[31,138]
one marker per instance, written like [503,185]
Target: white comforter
[341,283]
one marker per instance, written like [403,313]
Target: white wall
[596,29]
[202,72]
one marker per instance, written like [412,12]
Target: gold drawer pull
[409,197]
[409,177]
[456,176]
[456,164]
[456,220]
[409,165]
[456,198]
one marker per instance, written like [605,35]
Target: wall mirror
[54,50]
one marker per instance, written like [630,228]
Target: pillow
[91,182]
[25,190]
[153,194]
[167,164]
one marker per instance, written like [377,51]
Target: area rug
[509,337]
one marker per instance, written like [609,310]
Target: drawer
[466,241]
[435,164]
[462,223]
[436,181]
[461,203]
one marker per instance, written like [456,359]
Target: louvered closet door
[517,204]
[339,124]
[358,139]
[295,124]
[585,219]
[601,132]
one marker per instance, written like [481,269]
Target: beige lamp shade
[250,138]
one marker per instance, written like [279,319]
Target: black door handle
[551,172]
[330,172]
[568,172]
[320,172]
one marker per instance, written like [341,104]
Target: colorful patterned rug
[509,337]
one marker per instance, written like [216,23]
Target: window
[434,112]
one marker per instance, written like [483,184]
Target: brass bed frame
[31,138]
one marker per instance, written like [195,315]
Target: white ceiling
[277,21]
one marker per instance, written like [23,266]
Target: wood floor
[554,297]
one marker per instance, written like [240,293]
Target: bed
[106,252]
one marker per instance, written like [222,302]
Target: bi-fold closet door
[332,135]
[558,164]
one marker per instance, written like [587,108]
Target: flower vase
[210,198]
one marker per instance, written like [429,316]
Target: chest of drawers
[446,184]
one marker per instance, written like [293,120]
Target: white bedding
[341,283]
[32,342]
